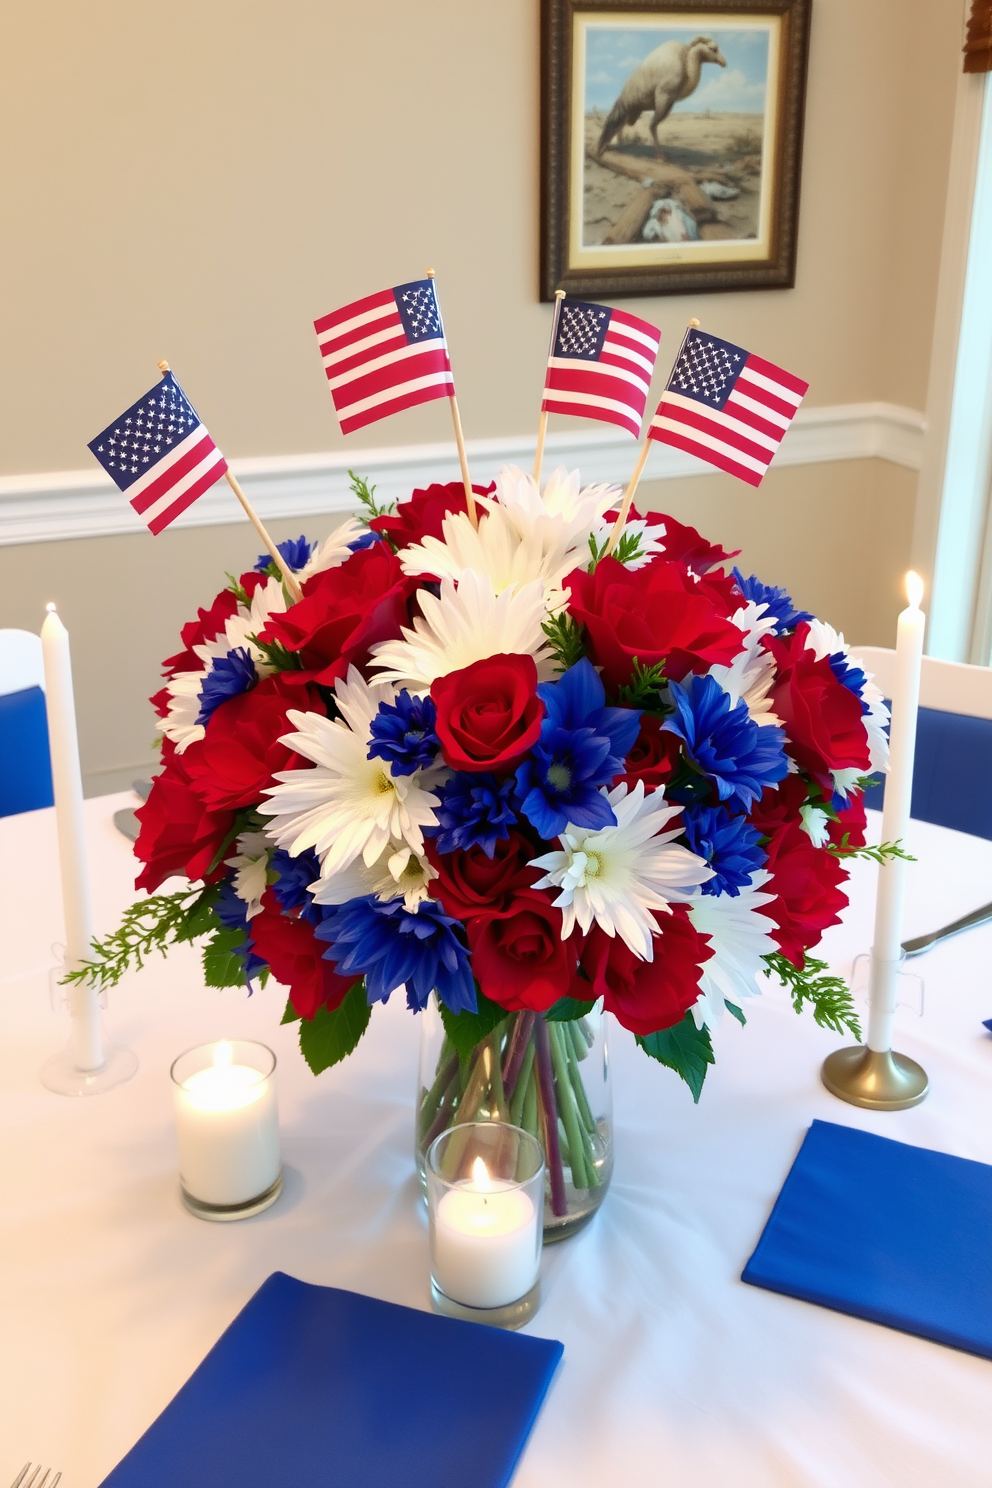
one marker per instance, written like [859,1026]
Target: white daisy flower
[334,550]
[617,875]
[466,624]
[180,724]
[350,806]
[751,673]
[522,535]
[398,871]
[251,862]
[739,936]
[815,823]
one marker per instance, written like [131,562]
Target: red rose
[470,883]
[779,805]
[489,713]
[821,717]
[518,956]
[241,751]
[654,757]
[805,880]
[343,612]
[293,953]
[422,515]
[179,834]
[207,625]
[685,545]
[655,613]
[646,996]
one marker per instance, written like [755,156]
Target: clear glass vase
[551,1078]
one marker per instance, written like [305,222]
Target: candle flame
[480,1176]
[223,1055]
[914,589]
[51,607]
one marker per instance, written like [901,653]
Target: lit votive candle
[485,1189]
[228,1129]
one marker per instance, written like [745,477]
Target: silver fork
[34,1481]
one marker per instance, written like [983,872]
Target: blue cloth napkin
[25,770]
[327,1388]
[896,1234]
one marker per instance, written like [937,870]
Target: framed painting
[671,145]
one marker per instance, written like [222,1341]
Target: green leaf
[568,1008]
[238,590]
[883,853]
[685,1048]
[567,640]
[644,688]
[737,1012]
[829,995]
[465,1030]
[365,494]
[277,655]
[223,966]
[330,1036]
[151,924]
[290,1015]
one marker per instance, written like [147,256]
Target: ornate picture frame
[671,145]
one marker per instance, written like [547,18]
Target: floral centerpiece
[503,766]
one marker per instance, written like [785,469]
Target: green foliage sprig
[828,995]
[277,655]
[883,853]
[238,590]
[644,688]
[627,549]
[365,495]
[567,640]
[153,924]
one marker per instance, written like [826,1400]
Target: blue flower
[403,734]
[474,809]
[780,606]
[728,843]
[582,747]
[295,550]
[229,676]
[365,541]
[291,886]
[739,756]
[849,675]
[388,945]
[232,911]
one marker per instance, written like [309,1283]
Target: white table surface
[674,1372]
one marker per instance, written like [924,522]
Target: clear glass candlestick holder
[228,1129]
[485,1200]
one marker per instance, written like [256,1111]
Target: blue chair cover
[951,748]
[25,766]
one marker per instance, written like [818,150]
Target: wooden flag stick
[288,576]
[456,419]
[542,426]
[628,495]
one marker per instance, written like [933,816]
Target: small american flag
[160,454]
[726,405]
[600,365]
[385,353]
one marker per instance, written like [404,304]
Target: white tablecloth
[674,1372]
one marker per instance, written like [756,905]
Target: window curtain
[978,45]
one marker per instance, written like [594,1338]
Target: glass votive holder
[228,1129]
[485,1200]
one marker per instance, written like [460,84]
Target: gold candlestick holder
[876,1080]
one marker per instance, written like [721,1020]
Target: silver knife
[923,942]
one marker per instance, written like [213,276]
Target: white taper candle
[886,948]
[87,1049]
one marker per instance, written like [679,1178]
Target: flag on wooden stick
[601,365]
[726,405]
[385,353]
[160,454]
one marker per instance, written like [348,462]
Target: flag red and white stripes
[601,365]
[385,353]
[727,406]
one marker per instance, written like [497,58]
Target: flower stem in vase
[518,1046]
[502,1110]
[447,1067]
[446,1108]
[548,1110]
[524,1083]
[577,1137]
[575,1075]
[528,1118]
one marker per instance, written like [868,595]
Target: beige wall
[202,189]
